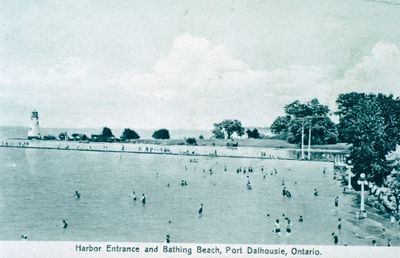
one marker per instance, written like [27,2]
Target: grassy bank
[264,143]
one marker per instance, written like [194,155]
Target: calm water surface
[37,192]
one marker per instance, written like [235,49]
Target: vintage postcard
[209,128]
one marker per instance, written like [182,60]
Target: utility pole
[309,142]
[302,139]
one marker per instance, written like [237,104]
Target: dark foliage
[161,134]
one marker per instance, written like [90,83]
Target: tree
[280,125]
[227,128]
[129,134]
[312,115]
[62,136]
[371,123]
[107,133]
[161,134]
[191,141]
[253,133]
[218,132]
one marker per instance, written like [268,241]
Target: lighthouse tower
[34,129]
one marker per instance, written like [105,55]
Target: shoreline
[178,150]
[162,153]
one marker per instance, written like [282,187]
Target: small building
[101,138]
[34,128]
[78,137]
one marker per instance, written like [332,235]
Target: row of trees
[226,128]
[298,116]
[369,122]
[129,134]
[303,117]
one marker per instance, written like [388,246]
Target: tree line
[370,123]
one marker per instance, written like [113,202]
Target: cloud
[378,71]
[194,85]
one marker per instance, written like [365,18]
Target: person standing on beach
[392,219]
[336,201]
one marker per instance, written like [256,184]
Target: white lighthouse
[34,129]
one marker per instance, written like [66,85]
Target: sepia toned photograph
[269,123]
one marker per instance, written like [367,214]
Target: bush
[253,133]
[129,134]
[191,141]
[161,134]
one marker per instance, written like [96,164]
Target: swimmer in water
[65,223]
[335,238]
[167,240]
[201,209]
[301,218]
[288,194]
[143,199]
[288,228]
[77,195]
[339,224]
[25,237]
[277,228]
[315,192]
[134,195]
[337,201]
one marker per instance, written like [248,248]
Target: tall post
[302,139]
[362,207]
[309,142]
[350,174]
[362,182]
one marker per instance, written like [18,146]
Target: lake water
[37,192]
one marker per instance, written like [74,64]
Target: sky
[189,64]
